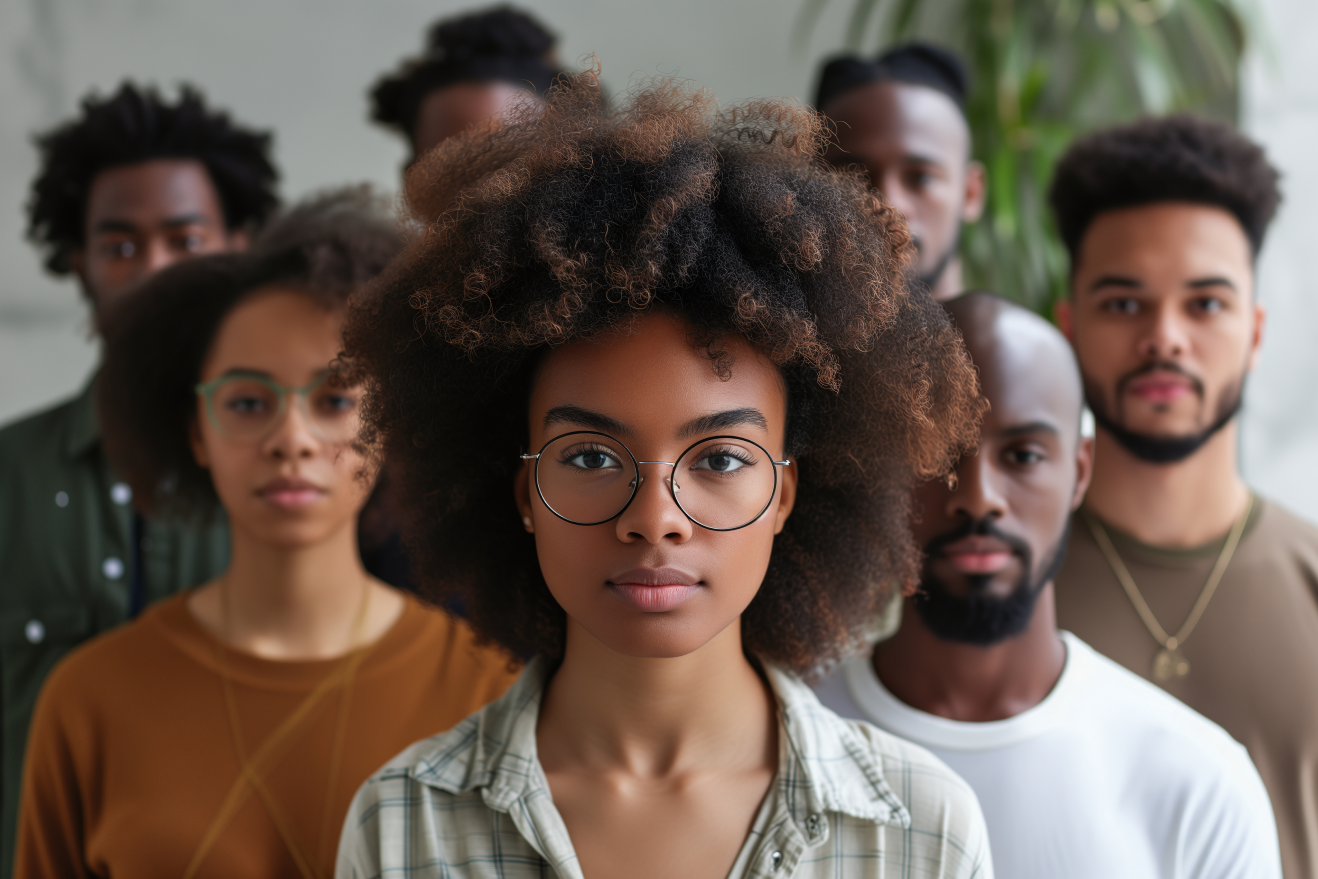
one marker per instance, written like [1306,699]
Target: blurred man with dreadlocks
[901,118]
[134,184]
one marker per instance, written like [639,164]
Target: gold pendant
[1169,665]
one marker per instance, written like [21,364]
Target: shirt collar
[824,766]
[82,431]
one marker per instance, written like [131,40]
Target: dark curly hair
[564,225]
[1175,158]
[329,247]
[501,44]
[137,125]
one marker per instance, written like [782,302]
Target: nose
[977,494]
[292,438]
[653,516]
[1164,337]
[889,185]
[156,255]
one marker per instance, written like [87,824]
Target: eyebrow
[720,421]
[713,423]
[584,418]
[1215,281]
[1030,427]
[1114,281]
[113,225]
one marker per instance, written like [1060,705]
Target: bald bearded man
[1082,768]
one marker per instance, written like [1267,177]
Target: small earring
[526,523]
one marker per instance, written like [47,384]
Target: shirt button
[112,568]
[121,494]
[34,631]
[776,859]
[812,824]
[61,499]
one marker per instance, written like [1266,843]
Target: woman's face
[292,479]
[651,582]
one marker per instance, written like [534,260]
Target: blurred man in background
[474,67]
[901,118]
[1175,568]
[134,184]
[1084,770]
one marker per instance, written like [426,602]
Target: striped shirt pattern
[848,801]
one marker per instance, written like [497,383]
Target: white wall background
[302,68]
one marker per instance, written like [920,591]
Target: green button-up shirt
[67,565]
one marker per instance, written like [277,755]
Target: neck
[291,603]
[1188,503]
[967,682]
[949,285]
[656,717]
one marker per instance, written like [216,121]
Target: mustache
[1161,366]
[977,528]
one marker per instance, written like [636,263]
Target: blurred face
[915,145]
[141,218]
[1164,323]
[996,539]
[650,582]
[291,478]
[452,110]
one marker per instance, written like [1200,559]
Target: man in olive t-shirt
[1174,567]
[132,186]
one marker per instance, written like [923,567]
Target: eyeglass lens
[721,483]
[246,409]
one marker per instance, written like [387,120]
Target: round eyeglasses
[722,483]
[248,407]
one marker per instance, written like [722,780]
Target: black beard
[930,278]
[1163,449]
[974,618]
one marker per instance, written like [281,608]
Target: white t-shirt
[1106,777]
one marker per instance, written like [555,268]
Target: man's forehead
[914,115]
[153,191]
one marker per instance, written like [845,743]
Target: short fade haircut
[912,63]
[157,340]
[1182,158]
[138,125]
[501,44]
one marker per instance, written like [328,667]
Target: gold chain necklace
[1169,663]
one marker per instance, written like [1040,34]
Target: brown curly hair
[560,226]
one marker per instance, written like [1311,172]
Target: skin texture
[914,142]
[452,110]
[295,581]
[1029,474]
[1165,283]
[656,727]
[143,217]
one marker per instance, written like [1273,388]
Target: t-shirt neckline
[930,730]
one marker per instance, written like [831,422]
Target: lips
[1161,387]
[978,555]
[654,590]
[290,492]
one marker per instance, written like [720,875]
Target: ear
[1084,470]
[976,188]
[198,447]
[522,493]
[787,477]
[1063,316]
[78,263]
[1260,317]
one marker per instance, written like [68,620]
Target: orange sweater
[132,753]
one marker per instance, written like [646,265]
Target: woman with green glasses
[223,732]
[657,395]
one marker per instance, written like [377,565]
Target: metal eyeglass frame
[207,391]
[636,482]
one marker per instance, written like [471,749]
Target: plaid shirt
[848,801]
